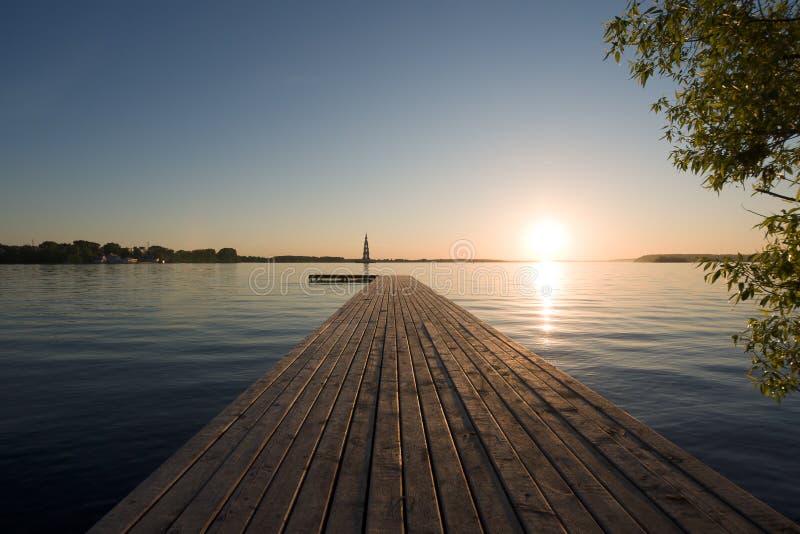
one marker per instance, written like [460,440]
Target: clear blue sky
[292,128]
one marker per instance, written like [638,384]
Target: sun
[546,239]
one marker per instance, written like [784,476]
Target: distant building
[365,256]
[114,259]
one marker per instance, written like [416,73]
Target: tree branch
[776,195]
[753,212]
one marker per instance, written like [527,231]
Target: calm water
[107,369]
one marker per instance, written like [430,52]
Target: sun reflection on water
[546,284]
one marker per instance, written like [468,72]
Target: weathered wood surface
[404,412]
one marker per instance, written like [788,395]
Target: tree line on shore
[81,251]
[89,252]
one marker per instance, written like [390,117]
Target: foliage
[205,255]
[315,259]
[113,248]
[89,252]
[735,120]
[50,252]
[227,255]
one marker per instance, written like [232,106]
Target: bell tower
[365,256]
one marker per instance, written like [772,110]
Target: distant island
[684,258]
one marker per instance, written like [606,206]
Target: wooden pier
[404,412]
[341,278]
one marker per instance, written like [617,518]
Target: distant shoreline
[87,252]
[359,262]
[687,258]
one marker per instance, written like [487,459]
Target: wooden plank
[494,507]
[277,497]
[348,503]
[215,498]
[571,455]
[457,506]
[403,411]
[598,442]
[703,487]
[419,491]
[526,499]
[666,496]
[385,500]
[311,506]
[205,487]
[139,502]
[686,505]
[499,432]
[486,387]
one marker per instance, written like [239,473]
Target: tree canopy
[734,119]
[89,252]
